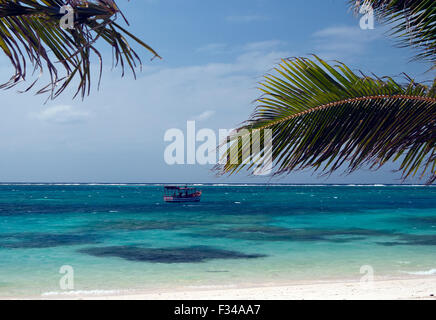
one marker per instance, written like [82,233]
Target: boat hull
[179,200]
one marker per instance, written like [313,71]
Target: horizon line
[213,183]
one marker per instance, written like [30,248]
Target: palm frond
[30,34]
[413,22]
[326,117]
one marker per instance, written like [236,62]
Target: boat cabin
[181,194]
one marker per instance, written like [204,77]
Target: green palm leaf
[30,34]
[413,22]
[325,117]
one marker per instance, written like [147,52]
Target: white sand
[421,288]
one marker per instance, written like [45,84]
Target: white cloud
[344,41]
[170,96]
[62,114]
[263,45]
[205,115]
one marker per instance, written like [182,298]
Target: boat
[181,194]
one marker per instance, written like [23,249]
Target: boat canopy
[178,188]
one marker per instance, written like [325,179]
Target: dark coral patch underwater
[426,221]
[412,240]
[167,255]
[273,233]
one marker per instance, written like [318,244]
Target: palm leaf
[325,117]
[413,22]
[31,35]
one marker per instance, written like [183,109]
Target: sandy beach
[419,288]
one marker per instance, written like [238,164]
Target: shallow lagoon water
[124,237]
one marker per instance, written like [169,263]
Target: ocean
[124,238]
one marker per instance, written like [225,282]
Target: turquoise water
[124,237]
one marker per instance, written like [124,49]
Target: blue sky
[214,54]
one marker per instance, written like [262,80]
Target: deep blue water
[124,237]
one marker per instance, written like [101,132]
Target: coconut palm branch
[413,22]
[325,117]
[31,37]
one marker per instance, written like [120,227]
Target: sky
[214,54]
